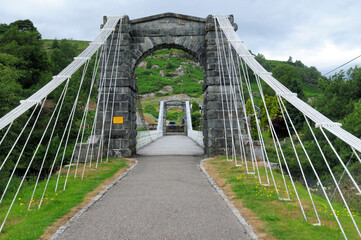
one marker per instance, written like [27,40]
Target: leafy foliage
[195,106]
[22,40]
[196,118]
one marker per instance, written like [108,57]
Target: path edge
[243,221]
[96,198]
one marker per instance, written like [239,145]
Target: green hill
[168,72]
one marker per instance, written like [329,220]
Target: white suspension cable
[220,70]
[79,130]
[116,62]
[274,139]
[334,180]
[236,76]
[228,103]
[92,132]
[100,91]
[17,139]
[282,106]
[243,100]
[61,99]
[86,110]
[281,90]
[105,104]
[21,153]
[6,133]
[340,160]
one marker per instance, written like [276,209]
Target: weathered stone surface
[140,38]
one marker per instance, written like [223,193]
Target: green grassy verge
[284,219]
[23,224]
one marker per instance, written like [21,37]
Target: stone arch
[174,104]
[141,37]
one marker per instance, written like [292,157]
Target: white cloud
[321,33]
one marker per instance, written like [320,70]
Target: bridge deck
[172,145]
[163,197]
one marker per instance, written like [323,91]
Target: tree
[290,60]
[62,55]
[262,60]
[24,25]
[295,114]
[10,89]
[196,118]
[280,127]
[3,27]
[55,44]
[352,122]
[195,106]
[339,94]
[285,73]
[22,40]
[273,109]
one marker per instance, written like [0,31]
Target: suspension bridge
[107,76]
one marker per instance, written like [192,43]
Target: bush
[195,106]
[196,118]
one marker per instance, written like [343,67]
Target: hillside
[169,72]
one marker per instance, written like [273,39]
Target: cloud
[321,33]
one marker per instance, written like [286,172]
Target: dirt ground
[50,231]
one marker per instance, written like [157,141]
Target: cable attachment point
[287,94]
[107,29]
[96,43]
[82,58]
[264,73]
[327,124]
[30,101]
[62,76]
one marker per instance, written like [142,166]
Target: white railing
[197,136]
[146,137]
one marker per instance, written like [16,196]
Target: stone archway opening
[170,75]
[175,121]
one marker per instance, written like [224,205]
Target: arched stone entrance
[141,37]
[174,104]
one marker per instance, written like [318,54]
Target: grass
[284,219]
[23,224]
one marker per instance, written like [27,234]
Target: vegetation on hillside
[170,67]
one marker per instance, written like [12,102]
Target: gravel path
[163,197]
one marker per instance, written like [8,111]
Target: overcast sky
[320,33]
